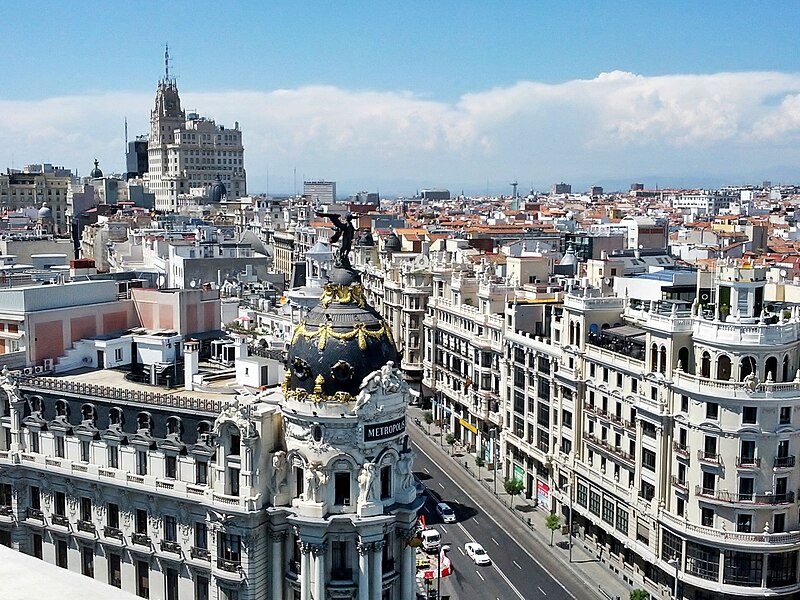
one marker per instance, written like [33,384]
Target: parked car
[445,513]
[476,552]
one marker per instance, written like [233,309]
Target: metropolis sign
[385,430]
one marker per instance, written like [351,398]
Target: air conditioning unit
[49,364]
[28,370]
[38,369]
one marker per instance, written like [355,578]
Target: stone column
[376,575]
[278,565]
[305,571]
[408,568]
[248,445]
[319,571]
[363,570]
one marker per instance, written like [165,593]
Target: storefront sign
[466,425]
[543,493]
[383,431]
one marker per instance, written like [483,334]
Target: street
[515,572]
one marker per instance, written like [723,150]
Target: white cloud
[615,124]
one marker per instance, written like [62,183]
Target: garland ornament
[343,294]
[359,332]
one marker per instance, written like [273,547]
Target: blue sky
[401,95]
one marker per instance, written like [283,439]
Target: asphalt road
[516,573]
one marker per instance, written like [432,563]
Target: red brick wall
[48,340]
[83,327]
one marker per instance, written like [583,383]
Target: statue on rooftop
[345,231]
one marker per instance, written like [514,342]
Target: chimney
[191,360]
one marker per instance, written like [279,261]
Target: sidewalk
[587,564]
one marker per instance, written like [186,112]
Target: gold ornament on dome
[359,332]
[343,294]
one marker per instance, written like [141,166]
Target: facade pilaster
[376,575]
[364,550]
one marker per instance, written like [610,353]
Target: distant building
[35,185]
[636,187]
[596,190]
[320,192]
[435,194]
[190,151]
[136,158]
[561,188]
[365,198]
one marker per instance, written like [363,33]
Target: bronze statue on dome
[345,231]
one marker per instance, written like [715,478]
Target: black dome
[217,193]
[392,243]
[366,239]
[341,341]
[96,173]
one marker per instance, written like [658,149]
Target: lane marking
[460,550]
[441,486]
[481,576]
[541,590]
[495,542]
[426,470]
[520,546]
[496,568]
[516,564]
[475,520]
[443,529]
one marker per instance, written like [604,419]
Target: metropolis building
[304,491]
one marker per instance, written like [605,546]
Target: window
[779,523]
[785,416]
[781,569]
[671,546]
[201,535]
[743,568]
[648,459]
[86,509]
[386,482]
[341,488]
[746,488]
[59,441]
[230,547]
[201,586]
[35,442]
[112,515]
[170,466]
[236,442]
[594,503]
[744,523]
[608,511]
[114,569]
[649,429]
[172,584]
[702,561]
[36,498]
[113,457]
[170,529]
[61,553]
[749,414]
[37,545]
[87,561]
[581,495]
[647,490]
[118,354]
[60,504]
[709,483]
[233,481]
[622,520]
[201,472]
[680,506]
[142,579]
[684,404]
[566,419]
[141,462]
[634,386]
[141,521]
[706,517]
[566,446]
[712,411]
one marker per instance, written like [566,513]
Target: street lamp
[569,519]
[675,562]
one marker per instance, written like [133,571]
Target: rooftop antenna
[166,62]
[126,134]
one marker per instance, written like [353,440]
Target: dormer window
[62,408]
[115,417]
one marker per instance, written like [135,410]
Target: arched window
[683,359]
[115,417]
[144,421]
[705,365]
[571,333]
[37,405]
[174,426]
[577,334]
[771,370]
[662,359]
[654,358]
[62,408]
[88,414]
[785,368]
[724,368]
[748,367]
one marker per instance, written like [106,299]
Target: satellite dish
[607,280]
[193,283]
[783,272]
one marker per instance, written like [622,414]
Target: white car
[445,513]
[476,552]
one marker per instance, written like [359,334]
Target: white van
[431,541]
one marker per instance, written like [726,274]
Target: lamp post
[675,562]
[569,520]
[494,459]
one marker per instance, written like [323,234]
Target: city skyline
[395,98]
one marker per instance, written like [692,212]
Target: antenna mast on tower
[166,62]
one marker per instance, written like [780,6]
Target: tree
[450,439]
[513,488]
[479,462]
[552,522]
[427,416]
[639,594]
